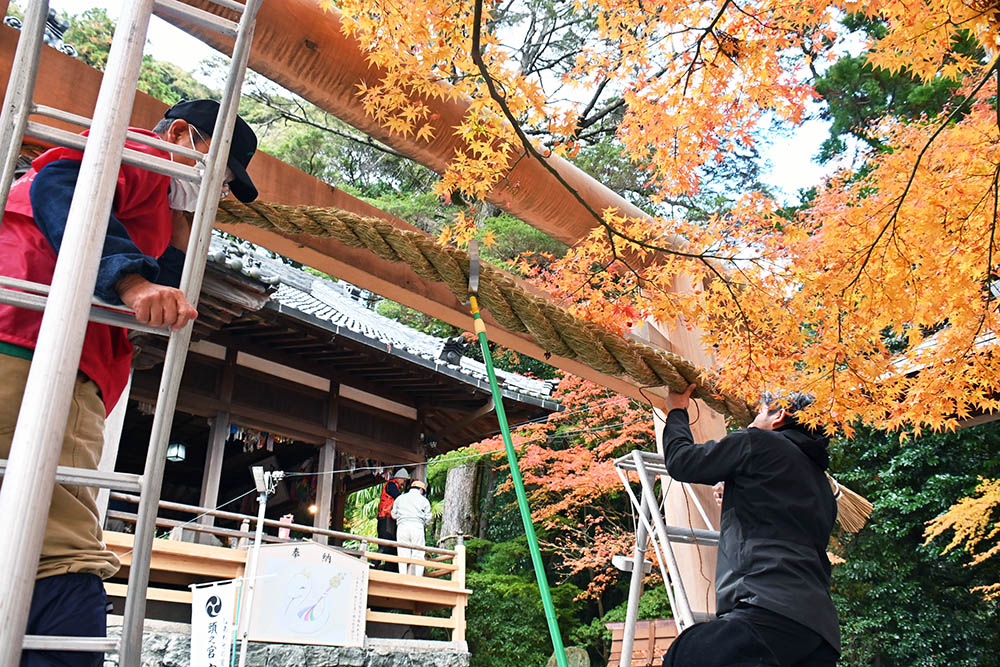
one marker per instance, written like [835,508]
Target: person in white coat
[411,512]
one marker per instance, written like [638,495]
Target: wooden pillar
[218,434]
[695,562]
[419,470]
[327,464]
[211,479]
[339,509]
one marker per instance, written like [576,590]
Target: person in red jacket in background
[140,267]
[385,525]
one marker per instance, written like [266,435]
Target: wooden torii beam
[71,85]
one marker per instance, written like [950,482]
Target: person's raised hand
[677,401]
[156,305]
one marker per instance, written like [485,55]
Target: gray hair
[160,129]
[791,402]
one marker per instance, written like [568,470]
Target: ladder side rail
[644,518]
[684,607]
[698,506]
[634,588]
[20,90]
[173,366]
[41,423]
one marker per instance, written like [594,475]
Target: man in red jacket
[385,525]
[140,267]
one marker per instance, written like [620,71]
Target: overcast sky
[792,167]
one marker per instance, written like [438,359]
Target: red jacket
[390,491]
[140,203]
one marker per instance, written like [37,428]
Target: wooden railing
[176,563]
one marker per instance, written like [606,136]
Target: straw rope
[553,328]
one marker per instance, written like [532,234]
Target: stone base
[168,644]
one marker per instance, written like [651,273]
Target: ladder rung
[230,4]
[627,564]
[119,481]
[129,156]
[57,643]
[83,121]
[652,461]
[42,288]
[684,535]
[175,8]
[115,318]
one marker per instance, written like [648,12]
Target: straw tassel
[853,509]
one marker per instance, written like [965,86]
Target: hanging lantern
[176,452]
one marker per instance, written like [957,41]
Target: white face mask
[183,194]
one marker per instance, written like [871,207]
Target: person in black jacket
[773,575]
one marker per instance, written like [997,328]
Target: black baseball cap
[202,114]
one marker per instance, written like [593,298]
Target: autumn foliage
[567,462]
[879,296]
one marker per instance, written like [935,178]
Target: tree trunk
[458,517]
[487,492]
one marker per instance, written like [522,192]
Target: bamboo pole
[515,470]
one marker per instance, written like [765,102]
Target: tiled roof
[342,308]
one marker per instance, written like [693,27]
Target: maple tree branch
[303,119]
[995,188]
[891,223]
[530,149]
[993,231]
[593,100]
[491,86]
[701,38]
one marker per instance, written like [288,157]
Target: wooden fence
[401,599]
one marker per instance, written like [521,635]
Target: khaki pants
[73,541]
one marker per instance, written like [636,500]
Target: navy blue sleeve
[171,267]
[51,194]
[702,464]
[392,489]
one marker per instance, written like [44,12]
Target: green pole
[522,498]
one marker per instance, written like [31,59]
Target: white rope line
[477,455]
[192,520]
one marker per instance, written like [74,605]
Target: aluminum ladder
[32,470]
[651,528]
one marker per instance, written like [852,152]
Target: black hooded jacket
[777,514]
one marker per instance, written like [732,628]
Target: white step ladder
[32,471]
[651,528]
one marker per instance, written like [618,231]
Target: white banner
[213,614]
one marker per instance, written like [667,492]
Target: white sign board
[213,610]
[308,593]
